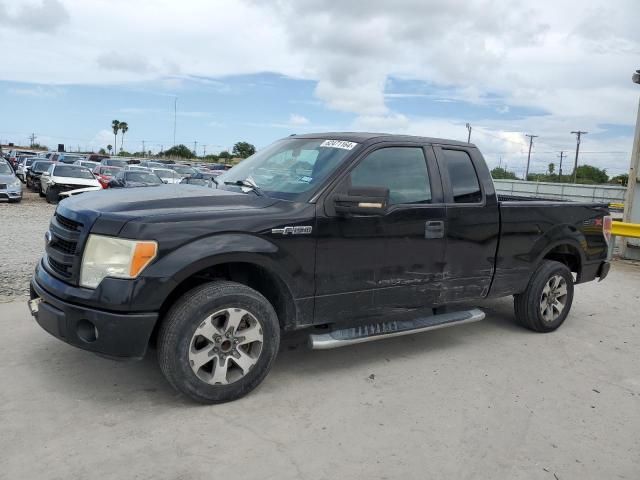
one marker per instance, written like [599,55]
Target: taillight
[607,223]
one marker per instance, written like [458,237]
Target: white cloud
[45,16]
[39,91]
[569,59]
[296,120]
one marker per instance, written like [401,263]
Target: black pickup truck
[355,236]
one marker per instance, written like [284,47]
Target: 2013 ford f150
[355,236]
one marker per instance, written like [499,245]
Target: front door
[391,263]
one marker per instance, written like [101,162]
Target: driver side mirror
[362,201]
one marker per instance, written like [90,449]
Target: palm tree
[123,127]
[109,147]
[115,126]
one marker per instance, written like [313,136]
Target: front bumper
[14,194]
[117,335]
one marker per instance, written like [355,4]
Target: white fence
[561,191]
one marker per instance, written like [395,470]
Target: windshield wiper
[248,183]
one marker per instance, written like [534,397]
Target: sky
[255,71]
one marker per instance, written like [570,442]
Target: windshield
[72,171]
[165,173]
[290,168]
[109,171]
[116,163]
[142,177]
[184,170]
[40,167]
[5,169]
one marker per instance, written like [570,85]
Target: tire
[52,195]
[39,190]
[179,339]
[28,183]
[550,287]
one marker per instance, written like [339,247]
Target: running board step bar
[381,330]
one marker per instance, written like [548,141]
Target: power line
[578,134]
[531,137]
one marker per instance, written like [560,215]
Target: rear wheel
[546,302]
[218,342]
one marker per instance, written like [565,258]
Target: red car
[104,173]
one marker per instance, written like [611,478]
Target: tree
[552,168]
[243,150]
[102,151]
[124,153]
[500,173]
[115,126]
[179,151]
[591,175]
[622,179]
[224,155]
[109,147]
[124,127]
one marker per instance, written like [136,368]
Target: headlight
[114,257]
[14,184]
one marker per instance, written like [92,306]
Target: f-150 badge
[302,230]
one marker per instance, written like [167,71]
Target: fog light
[87,331]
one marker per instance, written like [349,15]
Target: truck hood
[178,201]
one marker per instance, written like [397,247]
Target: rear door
[472,223]
[384,264]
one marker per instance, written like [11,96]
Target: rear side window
[464,180]
[403,170]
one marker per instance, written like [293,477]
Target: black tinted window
[464,180]
[40,167]
[403,170]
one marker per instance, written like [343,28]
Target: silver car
[10,186]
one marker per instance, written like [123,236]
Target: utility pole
[195,148]
[561,157]
[204,151]
[32,139]
[578,134]
[631,246]
[531,137]
[143,149]
[469,135]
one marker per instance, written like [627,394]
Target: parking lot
[484,400]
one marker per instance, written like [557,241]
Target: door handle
[434,229]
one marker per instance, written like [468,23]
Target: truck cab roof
[371,137]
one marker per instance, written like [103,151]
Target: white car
[86,163]
[167,175]
[62,178]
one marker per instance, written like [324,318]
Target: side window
[464,180]
[403,170]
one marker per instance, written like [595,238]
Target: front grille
[64,246]
[60,268]
[67,223]
[3,186]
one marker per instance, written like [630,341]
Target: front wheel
[546,302]
[218,342]
[53,195]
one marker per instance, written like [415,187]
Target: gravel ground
[22,228]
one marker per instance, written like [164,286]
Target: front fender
[203,253]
